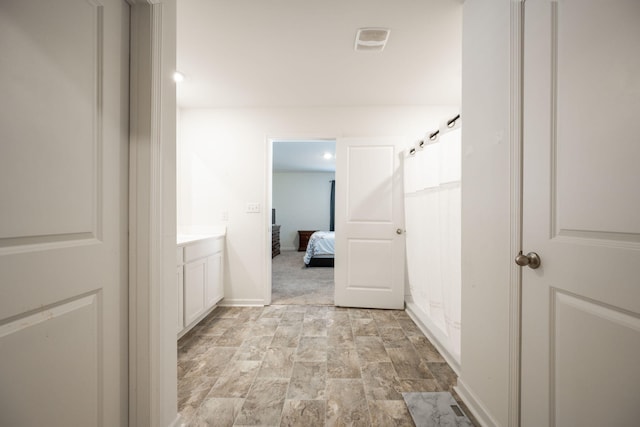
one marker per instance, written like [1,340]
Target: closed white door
[63,212]
[581,307]
[369,261]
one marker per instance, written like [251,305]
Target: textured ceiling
[269,53]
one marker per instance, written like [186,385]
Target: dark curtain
[332,207]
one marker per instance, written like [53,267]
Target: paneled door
[581,307]
[63,212]
[369,261]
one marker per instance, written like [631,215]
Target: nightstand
[303,237]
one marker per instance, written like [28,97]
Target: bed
[320,249]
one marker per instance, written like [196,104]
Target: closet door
[581,307]
[64,212]
[369,260]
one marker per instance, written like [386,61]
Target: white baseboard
[432,333]
[476,407]
[196,321]
[288,248]
[241,302]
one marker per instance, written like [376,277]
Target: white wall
[223,161]
[223,156]
[301,200]
[486,206]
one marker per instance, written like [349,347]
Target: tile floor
[297,365]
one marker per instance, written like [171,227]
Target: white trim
[515,178]
[152,387]
[478,410]
[197,320]
[431,332]
[268,200]
[242,303]
[268,285]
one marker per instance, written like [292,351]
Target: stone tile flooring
[297,365]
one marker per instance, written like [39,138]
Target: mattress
[321,243]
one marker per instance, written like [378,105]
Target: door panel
[63,228]
[369,185]
[581,308]
[369,262]
[52,350]
[583,372]
[195,278]
[54,161]
[214,291]
[373,276]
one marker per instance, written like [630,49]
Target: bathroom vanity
[199,277]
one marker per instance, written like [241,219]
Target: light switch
[253,207]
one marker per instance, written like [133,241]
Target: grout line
[310,313]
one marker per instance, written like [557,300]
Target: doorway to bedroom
[302,221]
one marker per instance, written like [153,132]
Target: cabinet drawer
[202,249]
[180,256]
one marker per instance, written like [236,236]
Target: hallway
[301,365]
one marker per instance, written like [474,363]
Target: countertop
[183,239]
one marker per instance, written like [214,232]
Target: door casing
[268,204]
[152,221]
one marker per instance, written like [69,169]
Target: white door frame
[268,203]
[515,171]
[152,185]
[515,89]
[152,218]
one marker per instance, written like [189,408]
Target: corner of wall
[479,411]
[486,215]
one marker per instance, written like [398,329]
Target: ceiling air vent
[371,39]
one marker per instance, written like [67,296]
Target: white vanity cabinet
[201,286]
[214,292]
[180,289]
[195,277]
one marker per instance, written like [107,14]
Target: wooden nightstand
[303,237]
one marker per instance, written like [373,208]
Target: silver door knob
[399,231]
[531,260]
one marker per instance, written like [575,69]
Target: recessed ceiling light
[327,156]
[178,77]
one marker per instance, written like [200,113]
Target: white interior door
[369,262]
[63,212]
[581,308]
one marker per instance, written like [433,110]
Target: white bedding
[320,243]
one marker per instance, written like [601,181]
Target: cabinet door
[195,279]
[180,298]
[214,291]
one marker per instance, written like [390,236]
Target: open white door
[581,307]
[63,212]
[369,262]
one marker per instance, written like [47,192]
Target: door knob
[532,260]
[399,231]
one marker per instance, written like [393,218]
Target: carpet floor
[295,283]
